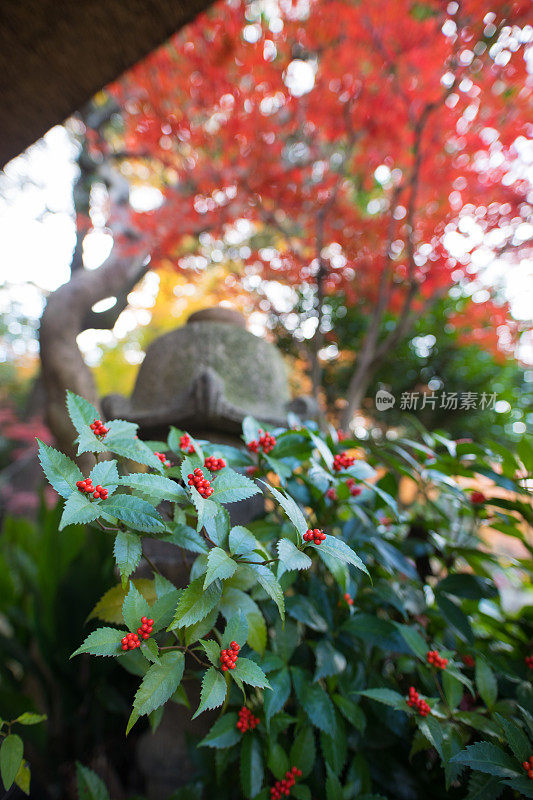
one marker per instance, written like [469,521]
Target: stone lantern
[204,377]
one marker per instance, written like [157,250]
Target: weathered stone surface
[210,373]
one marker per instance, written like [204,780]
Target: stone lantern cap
[208,375]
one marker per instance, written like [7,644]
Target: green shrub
[332,633]
[48,584]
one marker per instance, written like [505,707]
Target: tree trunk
[63,319]
[358,385]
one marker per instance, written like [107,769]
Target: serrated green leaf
[241,540]
[195,603]
[157,486]
[78,510]
[217,527]
[515,738]
[453,689]
[268,581]
[164,607]
[134,716]
[90,785]
[230,487]
[105,474]
[236,630]
[219,566]
[274,700]
[333,786]
[159,683]
[432,730]
[337,548]
[213,691]
[328,660]
[291,508]
[61,472]
[522,785]
[134,512]
[224,733]
[252,770]
[186,537]
[251,428]
[205,509]
[81,412]
[247,671]
[257,631]
[455,616]
[484,787]
[11,753]
[277,759]
[387,696]
[128,552]
[302,609]
[415,641]
[486,682]
[134,608]
[315,701]
[195,632]
[109,607]
[350,711]
[487,757]
[303,750]
[212,651]
[120,440]
[290,557]
[335,748]
[101,642]
[302,792]
[150,650]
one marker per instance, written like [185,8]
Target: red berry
[342,461]
[477,498]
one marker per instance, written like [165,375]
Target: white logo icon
[384,400]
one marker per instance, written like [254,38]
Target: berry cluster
[200,483]
[416,702]
[266,442]
[528,766]
[342,461]
[163,459]
[284,786]
[341,435]
[146,627]
[185,443]
[435,660]
[131,641]
[214,464]
[468,661]
[529,661]
[317,536]
[331,494]
[246,720]
[228,658]
[476,498]
[349,599]
[87,487]
[355,491]
[98,428]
